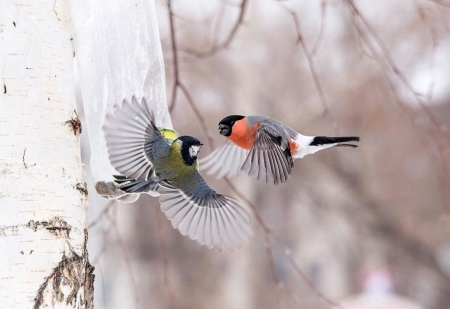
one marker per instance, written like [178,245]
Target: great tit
[264,148]
[149,163]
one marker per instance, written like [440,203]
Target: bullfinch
[264,148]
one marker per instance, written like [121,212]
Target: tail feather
[323,140]
[131,185]
[313,144]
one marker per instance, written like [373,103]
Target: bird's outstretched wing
[209,218]
[225,161]
[269,158]
[132,139]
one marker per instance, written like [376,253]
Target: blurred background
[353,228]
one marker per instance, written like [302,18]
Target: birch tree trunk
[43,199]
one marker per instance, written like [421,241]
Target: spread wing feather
[131,139]
[225,161]
[269,158]
[212,219]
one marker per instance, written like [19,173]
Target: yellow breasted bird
[148,163]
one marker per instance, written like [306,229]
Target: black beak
[224,129]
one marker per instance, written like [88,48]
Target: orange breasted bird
[264,148]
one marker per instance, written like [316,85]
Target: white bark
[43,260]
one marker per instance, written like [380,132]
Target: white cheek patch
[193,150]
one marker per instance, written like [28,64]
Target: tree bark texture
[43,198]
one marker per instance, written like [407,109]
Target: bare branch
[280,285]
[312,68]
[287,252]
[102,214]
[323,23]
[432,61]
[394,68]
[217,47]
[384,58]
[205,128]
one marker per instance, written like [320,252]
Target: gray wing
[211,219]
[225,161]
[269,158]
[132,139]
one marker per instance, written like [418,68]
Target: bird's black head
[227,123]
[190,146]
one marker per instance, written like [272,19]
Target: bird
[149,162]
[264,148]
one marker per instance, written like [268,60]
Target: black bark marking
[14,23]
[82,187]
[75,124]
[4,87]
[72,281]
[23,158]
[56,226]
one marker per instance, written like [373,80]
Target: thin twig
[280,285]
[434,45]
[298,270]
[102,214]
[106,234]
[323,24]
[217,47]
[286,250]
[205,128]
[387,56]
[219,21]
[312,68]
[387,63]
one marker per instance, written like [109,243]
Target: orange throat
[242,135]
